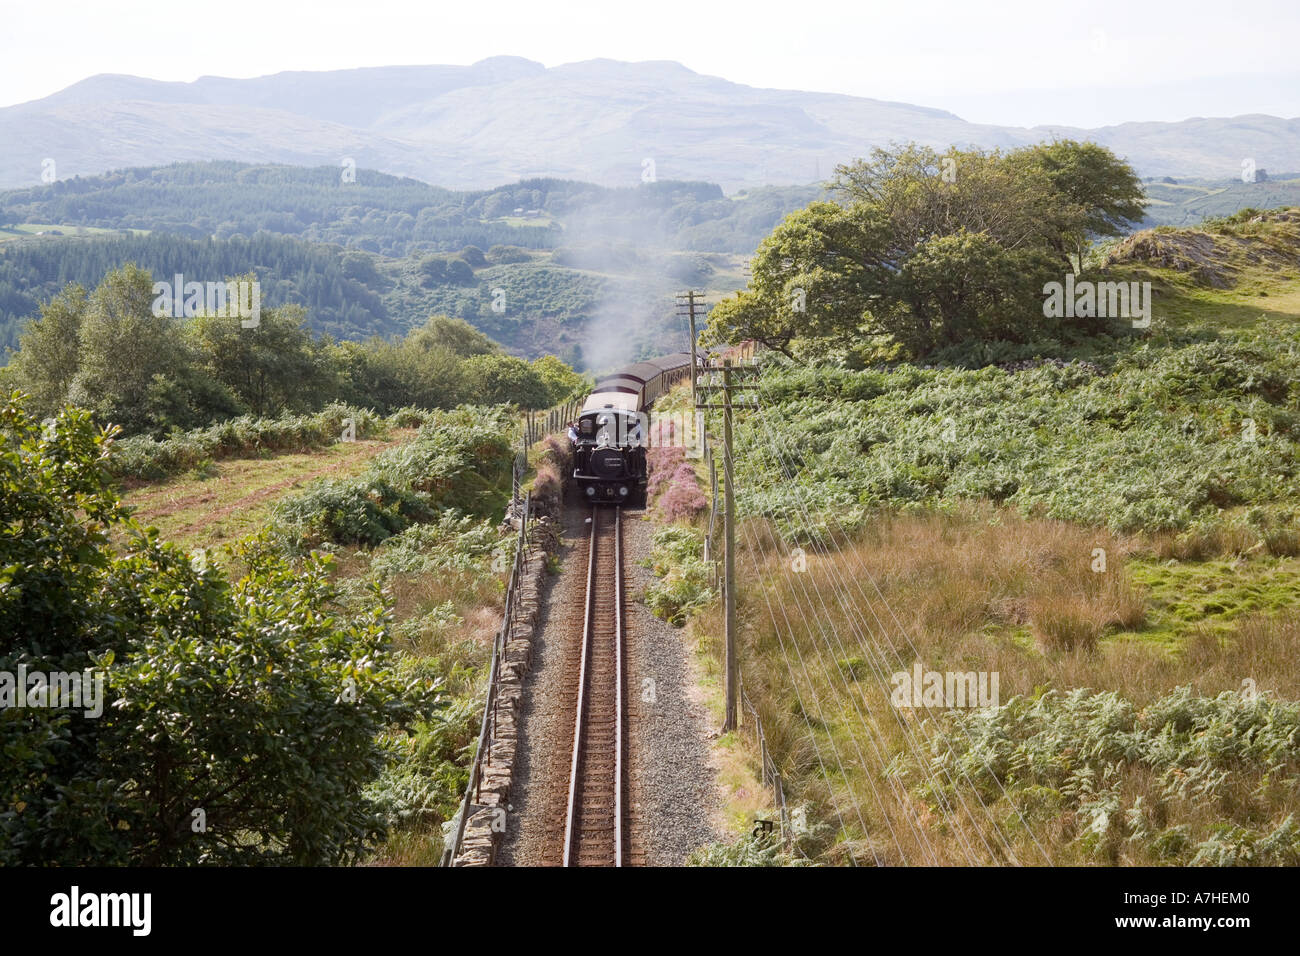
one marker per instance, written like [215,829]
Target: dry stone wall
[487,814]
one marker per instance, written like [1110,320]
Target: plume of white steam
[635,316]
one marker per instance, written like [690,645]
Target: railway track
[595,833]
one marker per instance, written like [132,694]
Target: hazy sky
[1020,62]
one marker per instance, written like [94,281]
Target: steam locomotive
[610,435]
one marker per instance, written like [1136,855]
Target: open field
[27,230]
[234,497]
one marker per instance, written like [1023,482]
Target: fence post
[785,814]
[492,702]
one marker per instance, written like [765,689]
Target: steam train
[611,432]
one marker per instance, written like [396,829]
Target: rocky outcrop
[1215,256]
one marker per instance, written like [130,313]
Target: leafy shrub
[673,545]
[362,511]
[255,700]
[409,416]
[1187,779]
[458,461]
[449,542]
[745,851]
[676,557]
[145,457]
[1217,369]
[422,788]
[503,255]
[1152,438]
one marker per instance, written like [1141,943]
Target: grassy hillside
[219,502]
[569,256]
[1189,201]
[1114,532]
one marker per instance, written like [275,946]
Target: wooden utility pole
[729,533]
[687,299]
[729,528]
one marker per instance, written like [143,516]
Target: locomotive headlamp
[622,490]
[591,491]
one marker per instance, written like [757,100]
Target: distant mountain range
[507,118]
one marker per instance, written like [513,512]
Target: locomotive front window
[613,427]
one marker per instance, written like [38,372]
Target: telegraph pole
[729,531]
[729,527]
[687,299]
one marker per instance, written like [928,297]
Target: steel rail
[576,765]
[618,687]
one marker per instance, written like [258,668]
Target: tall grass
[987,590]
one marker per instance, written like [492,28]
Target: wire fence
[534,426]
[537,425]
[768,772]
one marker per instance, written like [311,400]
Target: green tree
[360,268]
[927,250]
[917,192]
[560,381]
[433,271]
[967,287]
[1103,193]
[814,279]
[456,335]
[274,367]
[258,702]
[389,375]
[505,254]
[123,346]
[504,379]
[459,272]
[48,350]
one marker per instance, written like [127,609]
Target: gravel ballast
[673,793]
